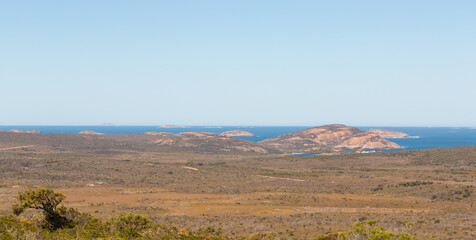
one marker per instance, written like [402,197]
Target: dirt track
[11,148]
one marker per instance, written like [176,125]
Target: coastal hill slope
[195,141]
[328,137]
[205,141]
[198,142]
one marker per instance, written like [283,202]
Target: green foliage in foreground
[46,200]
[370,231]
[62,223]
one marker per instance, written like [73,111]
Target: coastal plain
[194,184]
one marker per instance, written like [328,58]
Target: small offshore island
[237,133]
[88,132]
[174,126]
[23,131]
[389,133]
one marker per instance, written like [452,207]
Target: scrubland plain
[290,197]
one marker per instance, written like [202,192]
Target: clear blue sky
[381,63]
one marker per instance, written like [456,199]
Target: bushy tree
[46,200]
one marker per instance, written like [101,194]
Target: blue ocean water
[428,137]
[433,137]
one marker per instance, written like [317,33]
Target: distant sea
[425,137]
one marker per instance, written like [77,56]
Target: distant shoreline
[434,137]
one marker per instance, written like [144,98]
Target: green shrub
[368,230]
[9,224]
[260,236]
[130,225]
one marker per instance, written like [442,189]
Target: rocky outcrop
[328,137]
[237,133]
[23,131]
[389,133]
[87,132]
[367,141]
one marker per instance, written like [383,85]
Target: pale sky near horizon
[361,63]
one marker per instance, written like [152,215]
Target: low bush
[63,223]
[368,230]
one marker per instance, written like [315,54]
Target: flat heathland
[290,197]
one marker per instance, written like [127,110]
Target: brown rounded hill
[329,137]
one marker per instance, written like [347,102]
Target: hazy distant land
[174,126]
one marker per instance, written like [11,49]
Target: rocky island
[389,133]
[23,131]
[87,132]
[328,137]
[237,133]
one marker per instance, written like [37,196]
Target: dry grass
[290,197]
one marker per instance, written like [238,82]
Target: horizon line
[238,125]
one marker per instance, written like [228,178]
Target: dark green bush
[130,225]
[368,230]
